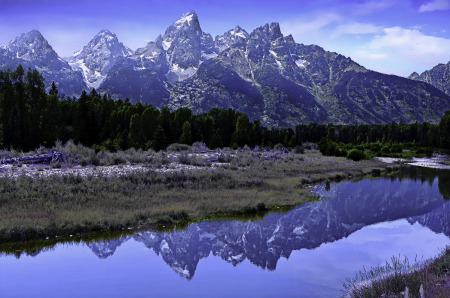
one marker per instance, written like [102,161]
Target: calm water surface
[306,252]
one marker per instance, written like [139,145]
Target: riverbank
[45,202]
[399,278]
[436,161]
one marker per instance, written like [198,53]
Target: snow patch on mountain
[164,246]
[93,78]
[182,73]
[98,56]
[300,63]
[186,18]
[166,44]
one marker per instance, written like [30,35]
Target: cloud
[311,30]
[407,50]
[435,5]
[300,26]
[373,6]
[365,54]
[411,42]
[357,28]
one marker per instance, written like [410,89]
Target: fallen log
[52,157]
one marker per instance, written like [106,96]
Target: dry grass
[430,279]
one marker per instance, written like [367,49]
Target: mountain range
[264,74]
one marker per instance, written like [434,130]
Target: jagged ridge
[438,76]
[265,74]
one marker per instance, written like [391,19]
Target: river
[305,252]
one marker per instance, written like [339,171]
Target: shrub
[375,147]
[428,151]
[329,148]
[199,146]
[396,148]
[299,149]
[224,157]
[278,146]
[56,165]
[118,158]
[184,158]
[309,146]
[385,150]
[193,160]
[135,156]
[355,155]
[341,152]
[176,147]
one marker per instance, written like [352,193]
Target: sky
[394,37]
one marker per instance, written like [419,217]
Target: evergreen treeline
[29,117]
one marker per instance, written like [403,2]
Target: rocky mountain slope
[268,76]
[264,74]
[98,57]
[438,76]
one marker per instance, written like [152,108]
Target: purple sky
[396,37]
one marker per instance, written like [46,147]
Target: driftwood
[52,157]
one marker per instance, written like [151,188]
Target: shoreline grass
[47,207]
[430,278]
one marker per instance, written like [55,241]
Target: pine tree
[159,139]
[444,130]
[186,134]
[216,140]
[53,89]
[242,130]
[135,134]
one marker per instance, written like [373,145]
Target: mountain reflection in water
[414,194]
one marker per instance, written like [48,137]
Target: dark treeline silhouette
[29,117]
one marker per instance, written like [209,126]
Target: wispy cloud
[357,28]
[411,42]
[366,54]
[410,48]
[435,5]
[373,6]
[315,30]
[309,26]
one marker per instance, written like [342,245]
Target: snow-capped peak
[33,50]
[230,38]
[189,18]
[31,46]
[108,41]
[186,46]
[98,56]
[238,31]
